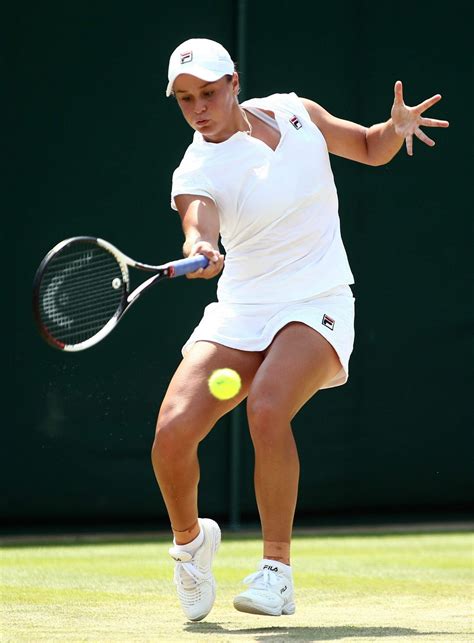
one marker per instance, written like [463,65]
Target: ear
[235,83]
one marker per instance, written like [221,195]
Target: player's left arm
[378,144]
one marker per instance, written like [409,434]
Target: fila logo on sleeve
[186,57]
[295,122]
[328,322]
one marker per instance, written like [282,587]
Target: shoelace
[261,579]
[190,577]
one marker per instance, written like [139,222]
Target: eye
[208,93]
[185,99]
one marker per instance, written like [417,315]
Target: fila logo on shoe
[180,556]
[272,569]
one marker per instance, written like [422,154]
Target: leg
[187,414]
[307,361]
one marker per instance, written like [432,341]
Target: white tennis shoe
[270,592]
[193,573]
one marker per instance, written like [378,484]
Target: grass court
[363,587]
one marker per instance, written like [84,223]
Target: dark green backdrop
[93,145]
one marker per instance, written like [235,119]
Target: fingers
[433,122]
[206,273]
[212,269]
[422,137]
[216,263]
[417,119]
[422,107]
[398,90]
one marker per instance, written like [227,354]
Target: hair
[229,78]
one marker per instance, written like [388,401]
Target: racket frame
[169,270]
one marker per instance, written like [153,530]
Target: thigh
[188,394]
[298,362]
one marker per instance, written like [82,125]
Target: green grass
[399,587]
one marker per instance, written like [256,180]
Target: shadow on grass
[281,634]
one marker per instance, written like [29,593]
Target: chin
[210,133]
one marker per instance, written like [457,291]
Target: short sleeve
[292,104]
[288,104]
[190,182]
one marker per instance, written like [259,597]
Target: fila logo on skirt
[328,322]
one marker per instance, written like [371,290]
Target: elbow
[378,161]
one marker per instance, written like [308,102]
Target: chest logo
[186,57]
[295,122]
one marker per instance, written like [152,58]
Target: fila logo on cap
[328,322]
[186,57]
[295,122]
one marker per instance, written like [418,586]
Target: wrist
[199,246]
[394,129]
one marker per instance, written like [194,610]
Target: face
[209,108]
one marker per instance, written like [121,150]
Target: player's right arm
[200,222]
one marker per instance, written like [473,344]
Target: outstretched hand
[407,120]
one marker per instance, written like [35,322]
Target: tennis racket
[82,290]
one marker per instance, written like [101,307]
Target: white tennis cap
[199,57]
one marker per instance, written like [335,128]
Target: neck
[248,125]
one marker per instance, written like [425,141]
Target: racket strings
[82,289]
[83,332]
[89,313]
[92,292]
[89,258]
[87,251]
[88,287]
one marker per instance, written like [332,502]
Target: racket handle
[183,266]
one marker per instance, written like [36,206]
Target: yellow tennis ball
[224,383]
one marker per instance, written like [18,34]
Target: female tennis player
[257,176]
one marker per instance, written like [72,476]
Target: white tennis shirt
[278,210]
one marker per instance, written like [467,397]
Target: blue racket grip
[183,266]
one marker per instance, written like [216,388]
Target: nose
[199,106]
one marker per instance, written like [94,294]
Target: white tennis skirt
[252,327]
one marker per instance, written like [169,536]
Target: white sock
[282,566]
[194,545]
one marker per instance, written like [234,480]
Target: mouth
[202,123]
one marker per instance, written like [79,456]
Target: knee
[265,419]
[170,440]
